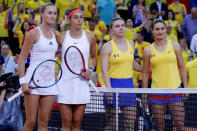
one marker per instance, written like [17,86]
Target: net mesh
[169,111]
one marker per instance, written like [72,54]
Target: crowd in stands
[18,17]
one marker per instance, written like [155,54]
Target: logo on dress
[169,51]
[51,43]
[116,55]
[75,43]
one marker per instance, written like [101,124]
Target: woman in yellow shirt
[21,33]
[173,23]
[163,56]
[187,56]
[117,56]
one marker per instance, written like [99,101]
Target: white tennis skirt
[74,90]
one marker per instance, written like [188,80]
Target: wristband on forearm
[22,80]
[91,68]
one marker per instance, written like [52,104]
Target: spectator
[100,25]
[10,113]
[179,10]
[161,8]
[8,4]
[19,18]
[140,44]
[106,10]
[170,35]
[3,22]
[193,46]
[187,56]
[88,7]
[98,34]
[63,21]
[139,12]
[22,32]
[93,30]
[131,32]
[35,5]
[63,5]
[147,31]
[149,2]
[9,65]
[136,74]
[175,26]
[189,25]
[122,9]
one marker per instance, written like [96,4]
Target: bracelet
[22,80]
[91,68]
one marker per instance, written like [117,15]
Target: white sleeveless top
[42,50]
[73,89]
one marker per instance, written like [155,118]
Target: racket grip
[15,95]
[93,86]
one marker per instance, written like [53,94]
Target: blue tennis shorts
[165,97]
[125,99]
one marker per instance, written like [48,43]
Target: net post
[117,125]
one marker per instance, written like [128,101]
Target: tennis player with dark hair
[42,45]
[117,64]
[165,56]
[73,89]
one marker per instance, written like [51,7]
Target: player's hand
[185,96]
[26,87]
[87,74]
[16,57]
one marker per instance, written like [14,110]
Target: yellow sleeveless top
[165,73]
[121,63]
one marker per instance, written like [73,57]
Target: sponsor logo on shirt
[50,43]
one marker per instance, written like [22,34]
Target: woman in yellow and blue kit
[165,56]
[117,64]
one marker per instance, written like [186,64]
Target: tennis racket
[43,76]
[75,63]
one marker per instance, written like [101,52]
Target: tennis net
[137,109]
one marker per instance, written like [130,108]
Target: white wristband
[22,80]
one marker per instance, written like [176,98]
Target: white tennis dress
[42,50]
[73,89]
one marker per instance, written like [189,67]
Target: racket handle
[15,95]
[93,86]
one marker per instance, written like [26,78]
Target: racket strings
[74,61]
[46,74]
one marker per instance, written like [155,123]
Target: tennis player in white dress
[73,90]
[41,42]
